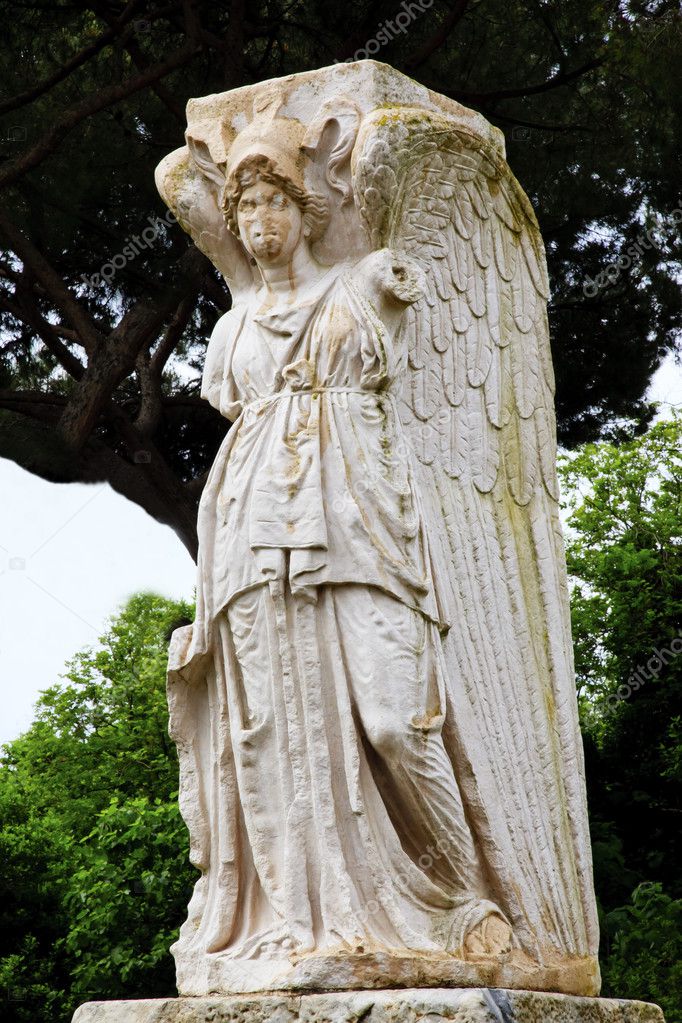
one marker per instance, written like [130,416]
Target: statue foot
[492,937]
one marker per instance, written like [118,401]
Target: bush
[645,954]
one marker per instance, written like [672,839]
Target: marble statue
[375,711]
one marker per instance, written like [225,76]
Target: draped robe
[322,803]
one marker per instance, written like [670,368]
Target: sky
[71,554]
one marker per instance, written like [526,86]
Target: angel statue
[381,769]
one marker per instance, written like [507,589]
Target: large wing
[478,408]
[480,395]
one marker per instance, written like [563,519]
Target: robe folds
[324,809]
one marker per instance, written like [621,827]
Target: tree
[126,900]
[624,552]
[34,849]
[95,874]
[101,351]
[645,959]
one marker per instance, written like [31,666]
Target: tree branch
[93,104]
[54,285]
[453,18]
[555,82]
[28,437]
[173,333]
[150,369]
[36,404]
[168,490]
[48,333]
[142,64]
[116,356]
[80,58]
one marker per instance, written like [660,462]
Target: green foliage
[624,553]
[645,959]
[28,986]
[108,725]
[126,900]
[34,848]
[94,873]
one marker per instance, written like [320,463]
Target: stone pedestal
[412,1005]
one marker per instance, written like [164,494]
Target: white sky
[71,554]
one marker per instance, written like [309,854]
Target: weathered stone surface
[472,1005]
[375,710]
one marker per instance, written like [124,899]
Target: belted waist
[268,399]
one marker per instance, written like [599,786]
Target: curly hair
[313,206]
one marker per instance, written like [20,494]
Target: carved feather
[479,349]
[460,313]
[535,261]
[505,203]
[461,259]
[506,250]
[542,332]
[443,279]
[453,437]
[481,242]
[420,395]
[498,388]
[523,298]
[525,372]
[483,442]
[481,206]
[453,361]
[492,302]
[520,458]
[413,335]
[463,214]
[475,285]
[545,424]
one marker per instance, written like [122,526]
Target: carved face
[270,223]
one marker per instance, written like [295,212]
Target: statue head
[270,210]
[307,161]
[265,200]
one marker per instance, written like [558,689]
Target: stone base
[223,974]
[412,1005]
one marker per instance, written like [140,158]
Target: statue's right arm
[235,266]
[217,385]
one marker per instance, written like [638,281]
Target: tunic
[321,799]
[312,393]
